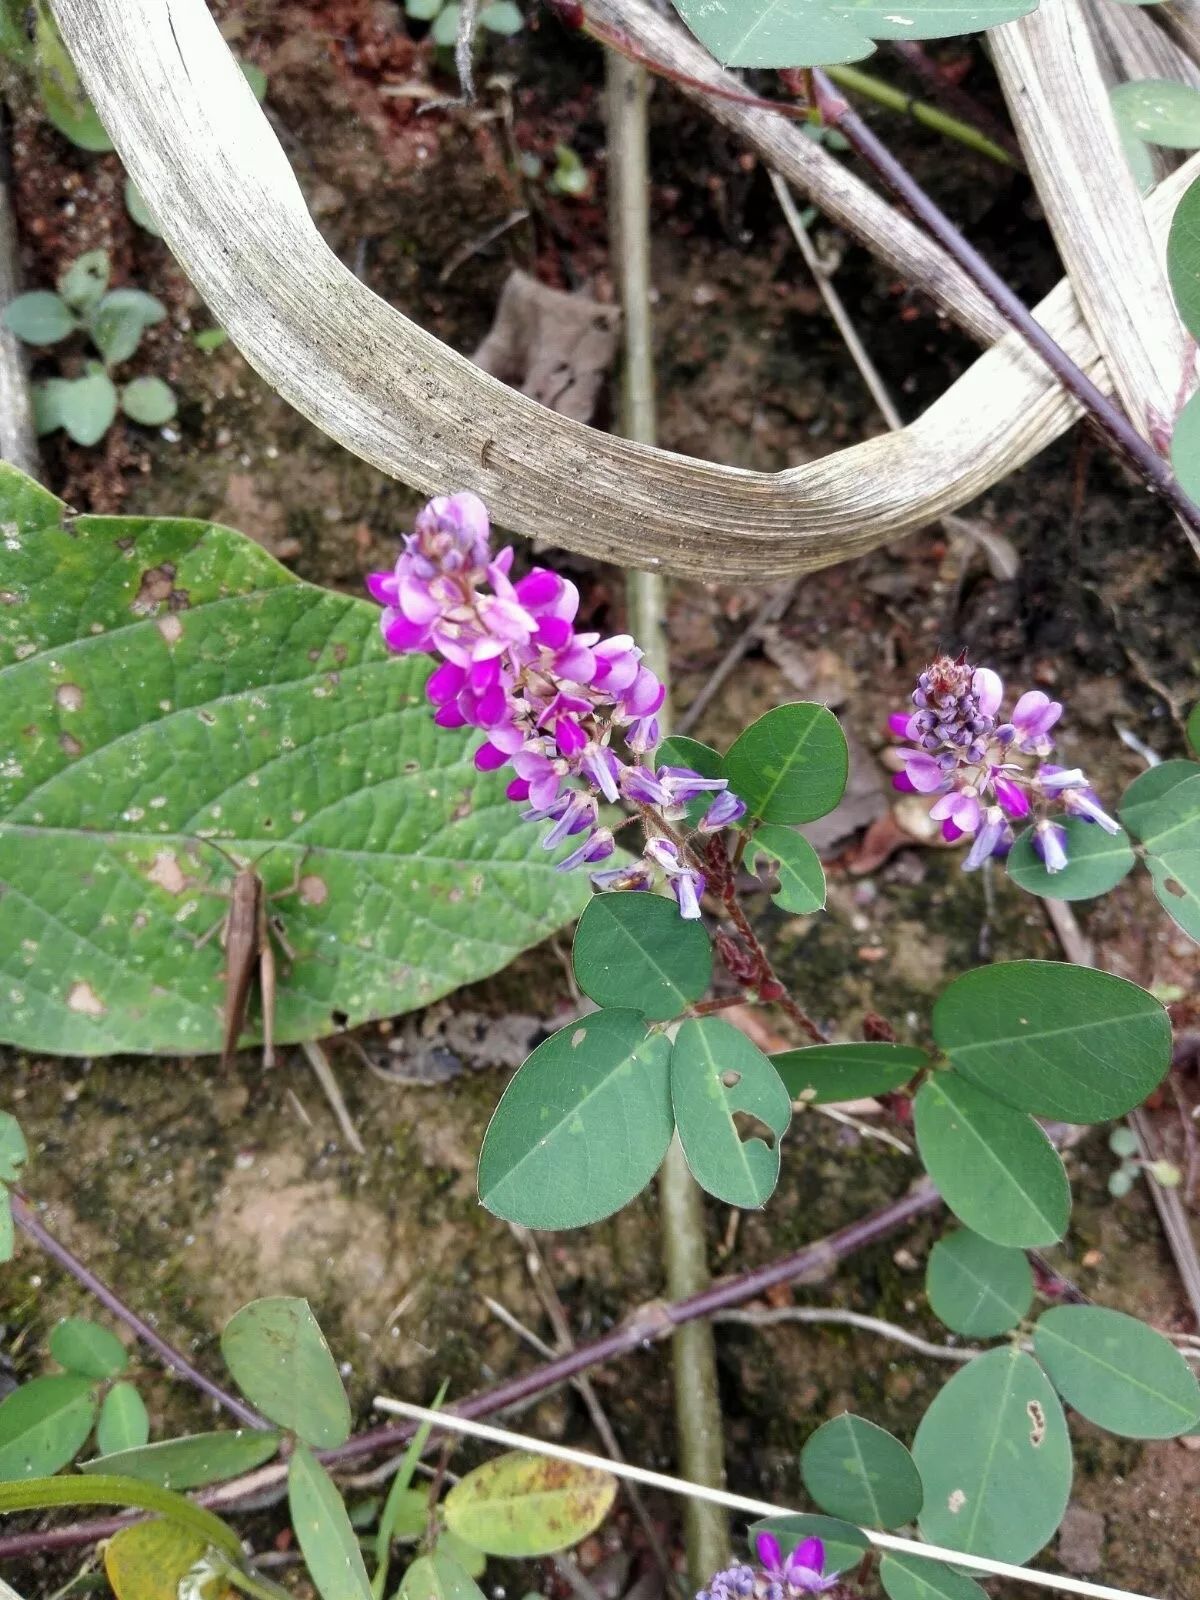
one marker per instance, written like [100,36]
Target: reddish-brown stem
[705,1008]
[645,1327]
[174,1360]
[1108,418]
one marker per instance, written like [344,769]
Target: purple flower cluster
[961,750]
[549,700]
[776,1577]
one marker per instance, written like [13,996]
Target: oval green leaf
[39,317]
[995,1458]
[85,1347]
[1140,801]
[824,1074]
[994,1167]
[731,1110]
[521,1505]
[1170,831]
[281,1363]
[582,1127]
[1183,258]
[635,951]
[791,765]
[845,1545]
[797,864]
[85,279]
[908,1577]
[327,1541]
[1117,1372]
[163,678]
[1096,863]
[135,204]
[150,1560]
[87,406]
[124,1423]
[193,1461]
[43,1425]
[1185,448]
[858,1471]
[14,1152]
[1160,111]
[438,1577]
[148,401]
[976,1287]
[1055,1040]
[8,1232]
[814,33]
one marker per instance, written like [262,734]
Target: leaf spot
[731,1079]
[314,891]
[578,1037]
[70,745]
[1173,886]
[167,873]
[956,1501]
[69,696]
[171,628]
[84,999]
[1037,1417]
[157,586]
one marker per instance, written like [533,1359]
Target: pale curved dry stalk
[204,156]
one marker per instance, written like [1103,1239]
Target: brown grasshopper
[246,930]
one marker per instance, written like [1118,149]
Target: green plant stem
[250,1583]
[886,94]
[700,1440]
[40,1494]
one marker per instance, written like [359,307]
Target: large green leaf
[1185,448]
[635,951]
[1054,1039]
[1140,801]
[124,1423]
[858,1471]
[823,1074]
[993,1166]
[1096,863]
[87,1348]
[845,1545]
[791,765]
[327,1541]
[520,1505]
[813,33]
[43,1425]
[1118,1372]
[995,1458]
[438,1577]
[1170,830]
[731,1109]
[797,866]
[1183,257]
[1160,111]
[909,1577]
[976,1287]
[281,1363]
[164,679]
[583,1126]
[192,1461]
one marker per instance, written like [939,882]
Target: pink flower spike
[988,689]
[769,1553]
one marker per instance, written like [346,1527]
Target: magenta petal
[569,736]
[1014,800]
[382,586]
[810,1554]
[553,632]
[951,832]
[488,758]
[518,789]
[923,772]
[902,781]
[491,707]
[539,588]
[416,600]
[898,724]
[577,663]
[449,717]
[445,683]
[402,635]
[769,1553]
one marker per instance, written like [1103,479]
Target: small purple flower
[598,846]
[636,875]
[641,786]
[725,810]
[962,809]
[993,838]
[1050,842]
[682,784]
[1033,716]
[1085,803]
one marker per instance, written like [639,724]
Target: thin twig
[964,105]
[319,1062]
[848,1120]
[174,1360]
[770,611]
[886,94]
[770,1316]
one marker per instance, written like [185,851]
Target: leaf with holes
[124,1423]
[635,951]
[794,861]
[1185,448]
[520,1505]
[162,679]
[1096,862]
[858,1471]
[327,1541]
[1170,830]
[791,765]
[994,1167]
[814,33]
[845,1545]
[150,1560]
[1117,1372]
[995,1458]
[731,1110]
[87,1348]
[1054,1039]
[1159,111]
[1183,257]
[824,1074]
[909,1577]
[582,1127]
[976,1287]
[193,1461]
[43,1425]
[279,1360]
